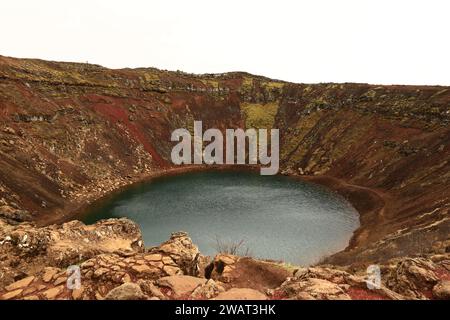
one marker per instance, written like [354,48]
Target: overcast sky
[379,41]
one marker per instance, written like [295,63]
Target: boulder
[49,273]
[11,295]
[182,252]
[208,290]
[313,288]
[411,276]
[180,285]
[53,293]
[20,284]
[150,289]
[222,267]
[442,290]
[127,291]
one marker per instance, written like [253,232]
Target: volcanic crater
[73,133]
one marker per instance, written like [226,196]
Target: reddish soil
[255,274]
[364,294]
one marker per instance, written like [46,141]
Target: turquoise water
[276,217]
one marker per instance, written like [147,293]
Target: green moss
[307,89]
[150,77]
[247,84]
[210,83]
[70,73]
[259,116]
[273,85]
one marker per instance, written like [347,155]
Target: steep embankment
[71,133]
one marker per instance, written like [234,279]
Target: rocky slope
[114,265]
[71,133]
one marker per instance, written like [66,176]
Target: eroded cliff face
[71,133]
[389,149]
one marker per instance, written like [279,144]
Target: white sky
[375,41]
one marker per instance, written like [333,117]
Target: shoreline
[368,203]
[48,219]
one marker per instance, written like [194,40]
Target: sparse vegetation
[259,116]
[210,83]
[247,83]
[232,247]
[288,266]
[273,85]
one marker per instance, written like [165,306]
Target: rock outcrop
[126,291]
[143,274]
[115,261]
[25,248]
[442,290]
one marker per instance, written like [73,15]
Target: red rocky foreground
[115,265]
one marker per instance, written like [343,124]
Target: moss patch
[273,85]
[210,83]
[259,116]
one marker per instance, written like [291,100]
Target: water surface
[277,217]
